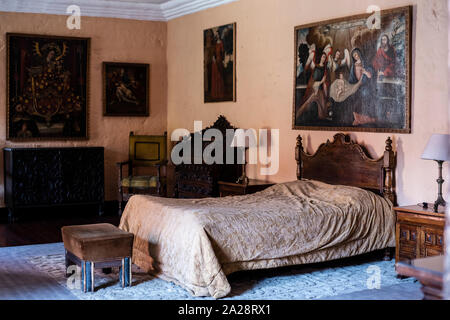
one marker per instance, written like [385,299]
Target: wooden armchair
[145,151]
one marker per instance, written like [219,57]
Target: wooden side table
[430,273]
[233,189]
[419,232]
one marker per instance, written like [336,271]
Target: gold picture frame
[354,73]
[47,87]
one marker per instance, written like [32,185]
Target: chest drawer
[418,235]
[432,242]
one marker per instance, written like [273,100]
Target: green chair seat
[148,151]
[140,181]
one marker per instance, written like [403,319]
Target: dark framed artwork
[354,73]
[219,63]
[125,89]
[47,87]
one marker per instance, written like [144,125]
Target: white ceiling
[142,1]
[154,10]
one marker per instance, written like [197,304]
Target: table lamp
[243,138]
[437,149]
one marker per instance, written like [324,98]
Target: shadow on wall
[398,183]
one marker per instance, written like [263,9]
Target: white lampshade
[437,148]
[244,138]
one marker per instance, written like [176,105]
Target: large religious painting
[47,94]
[125,89]
[354,73]
[219,70]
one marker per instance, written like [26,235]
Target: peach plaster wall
[265,59]
[117,40]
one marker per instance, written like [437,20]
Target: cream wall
[117,40]
[265,60]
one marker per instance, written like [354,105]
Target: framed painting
[47,87]
[125,89]
[354,73]
[219,63]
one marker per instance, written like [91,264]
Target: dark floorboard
[43,225]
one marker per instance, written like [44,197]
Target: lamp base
[438,202]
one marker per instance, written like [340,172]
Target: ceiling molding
[177,8]
[114,9]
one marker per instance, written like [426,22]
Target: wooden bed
[345,162]
[339,206]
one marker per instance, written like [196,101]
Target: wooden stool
[100,245]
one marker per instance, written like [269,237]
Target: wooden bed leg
[387,254]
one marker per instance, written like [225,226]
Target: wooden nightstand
[234,189]
[419,232]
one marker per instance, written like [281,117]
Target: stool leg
[87,276]
[125,272]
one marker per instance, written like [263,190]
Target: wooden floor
[37,226]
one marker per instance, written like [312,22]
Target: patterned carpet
[43,266]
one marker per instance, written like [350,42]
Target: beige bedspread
[197,242]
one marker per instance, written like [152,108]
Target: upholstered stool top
[97,242]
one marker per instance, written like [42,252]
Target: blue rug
[38,272]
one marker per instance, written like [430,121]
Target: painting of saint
[352,76]
[219,63]
[125,89]
[47,87]
[384,61]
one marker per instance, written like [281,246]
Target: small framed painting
[354,73]
[47,87]
[219,63]
[125,89]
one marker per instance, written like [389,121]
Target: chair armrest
[120,165]
[123,163]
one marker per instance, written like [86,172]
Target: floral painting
[354,73]
[47,87]
[219,68]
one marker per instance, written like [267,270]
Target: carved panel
[201,180]
[53,176]
[345,162]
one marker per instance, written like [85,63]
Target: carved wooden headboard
[201,180]
[347,163]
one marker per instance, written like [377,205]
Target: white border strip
[113,9]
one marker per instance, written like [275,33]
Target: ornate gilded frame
[407,10]
[86,88]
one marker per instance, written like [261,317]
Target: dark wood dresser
[419,232]
[40,177]
[234,189]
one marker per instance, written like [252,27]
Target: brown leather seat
[97,242]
